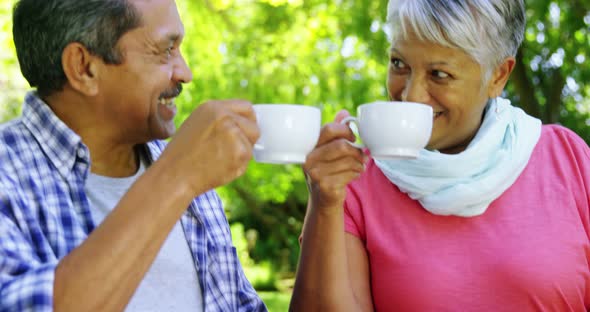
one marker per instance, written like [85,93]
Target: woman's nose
[415,90]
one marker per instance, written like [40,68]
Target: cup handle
[347,121]
[259,146]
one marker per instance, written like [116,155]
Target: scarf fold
[465,184]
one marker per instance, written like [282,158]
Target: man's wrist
[173,183]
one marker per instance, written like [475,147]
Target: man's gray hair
[487,30]
[43,28]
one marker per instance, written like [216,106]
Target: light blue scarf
[465,184]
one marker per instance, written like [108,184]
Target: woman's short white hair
[487,30]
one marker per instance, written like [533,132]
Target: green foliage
[276,301]
[261,275]
[333,55]
[321,53]
[12,83]
[554,60]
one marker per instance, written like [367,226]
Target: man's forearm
[103,273]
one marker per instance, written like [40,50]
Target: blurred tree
[328,54]
[552,66]
[12,83]
[331,54]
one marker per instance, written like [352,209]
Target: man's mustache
[170,93]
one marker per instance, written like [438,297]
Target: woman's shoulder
[562,140]
[561,149]
[555,131]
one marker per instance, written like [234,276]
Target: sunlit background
[330,54]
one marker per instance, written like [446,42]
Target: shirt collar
[60,143]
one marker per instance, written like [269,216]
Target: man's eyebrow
[170,38]
[174,37]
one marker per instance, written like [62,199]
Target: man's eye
[168,52]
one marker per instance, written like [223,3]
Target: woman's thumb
[341,115]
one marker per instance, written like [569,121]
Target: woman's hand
[333,164]
[324,282]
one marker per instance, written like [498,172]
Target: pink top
[530,251]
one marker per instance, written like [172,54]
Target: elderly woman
[493,216]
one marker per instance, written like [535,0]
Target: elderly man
[96,214]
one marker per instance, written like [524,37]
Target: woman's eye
[440,74]
[397,63]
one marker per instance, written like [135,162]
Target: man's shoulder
[14,143]
[16,146]
[13,130]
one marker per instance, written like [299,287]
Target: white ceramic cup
[288,132]
[393,130]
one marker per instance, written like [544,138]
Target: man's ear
[81,68]
[500,77]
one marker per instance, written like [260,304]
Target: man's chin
[168,133]
[163,132]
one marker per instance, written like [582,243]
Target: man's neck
[110,155]
[113,161]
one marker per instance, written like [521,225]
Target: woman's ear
[500,77]
[81,68]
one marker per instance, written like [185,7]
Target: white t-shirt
[171,284]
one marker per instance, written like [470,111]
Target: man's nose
[182,73]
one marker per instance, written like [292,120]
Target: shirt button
[81,153]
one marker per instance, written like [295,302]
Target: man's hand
[214,145]
[333,164]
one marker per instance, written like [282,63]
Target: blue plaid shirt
[45,214]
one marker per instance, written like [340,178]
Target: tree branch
[524,87]
[554,96]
